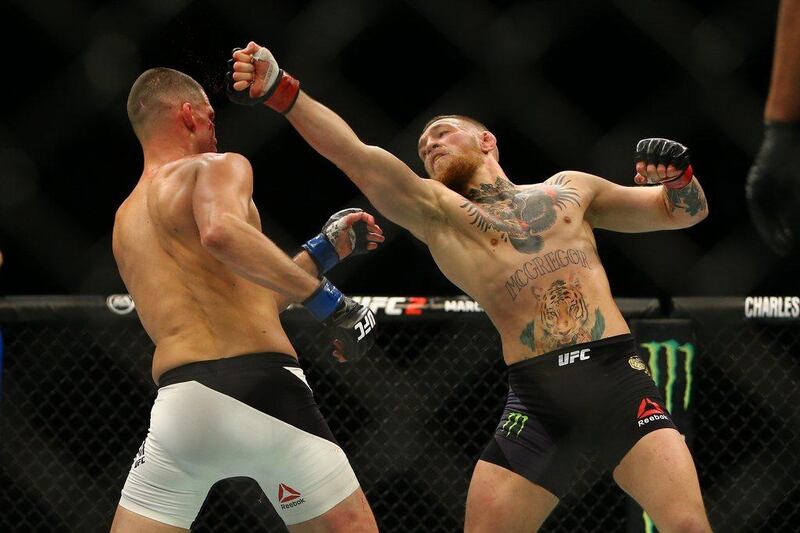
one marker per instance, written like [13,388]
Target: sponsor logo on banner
[288,497]
[570,357]
[772,307]
[417,305]
[393,305]
[462,306]
[679,359]
[121,304]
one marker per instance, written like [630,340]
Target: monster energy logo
[672,349]
[514,418]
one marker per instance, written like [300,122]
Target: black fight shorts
[595,398]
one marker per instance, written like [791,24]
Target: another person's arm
[773,183]
[221,204]
[783,101]
[347,232]
[673,199]
[222,195]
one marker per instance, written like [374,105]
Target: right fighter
[527,254]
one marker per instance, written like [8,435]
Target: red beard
[456,171]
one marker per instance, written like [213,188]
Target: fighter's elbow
[216,236]
[702,214]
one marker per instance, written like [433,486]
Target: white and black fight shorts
[252,415]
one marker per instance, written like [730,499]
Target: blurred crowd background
[564,84]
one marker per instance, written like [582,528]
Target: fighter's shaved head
[464,118]
[155,92]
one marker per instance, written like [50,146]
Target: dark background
[563,85]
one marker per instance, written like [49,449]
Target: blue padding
[322,252]
[324,300]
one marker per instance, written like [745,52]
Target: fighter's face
[449,148]
[206,131]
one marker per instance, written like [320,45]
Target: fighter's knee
[350,520]
[480,510]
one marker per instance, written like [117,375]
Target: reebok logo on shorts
[288,496]
[650,411]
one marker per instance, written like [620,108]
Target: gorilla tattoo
[519,215]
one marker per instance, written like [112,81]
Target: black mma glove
[665,152]
[349,322]
[322,248]
[773,187]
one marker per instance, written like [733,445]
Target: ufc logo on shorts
[570,357]
[365,325]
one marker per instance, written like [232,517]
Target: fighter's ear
[186,114]
[488,142]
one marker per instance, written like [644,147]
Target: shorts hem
[321,509]
[497,455]
[613,463]
[153,515]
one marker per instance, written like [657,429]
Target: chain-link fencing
[413,417]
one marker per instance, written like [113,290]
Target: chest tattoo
[519,215]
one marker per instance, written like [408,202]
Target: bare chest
[526,219]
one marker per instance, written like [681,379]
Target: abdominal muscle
[570,306]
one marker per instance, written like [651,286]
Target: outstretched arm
[389,184]
[674,200]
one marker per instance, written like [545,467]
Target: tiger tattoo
[563,316]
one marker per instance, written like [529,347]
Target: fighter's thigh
[500,500]
[126,521]
[352,514]
[659,473]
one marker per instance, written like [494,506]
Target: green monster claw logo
[671,349]
[515,418]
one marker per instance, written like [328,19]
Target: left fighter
[208,286]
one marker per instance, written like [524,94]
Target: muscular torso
[529,258]
[193,307]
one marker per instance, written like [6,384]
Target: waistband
[609,345]
[240,364]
